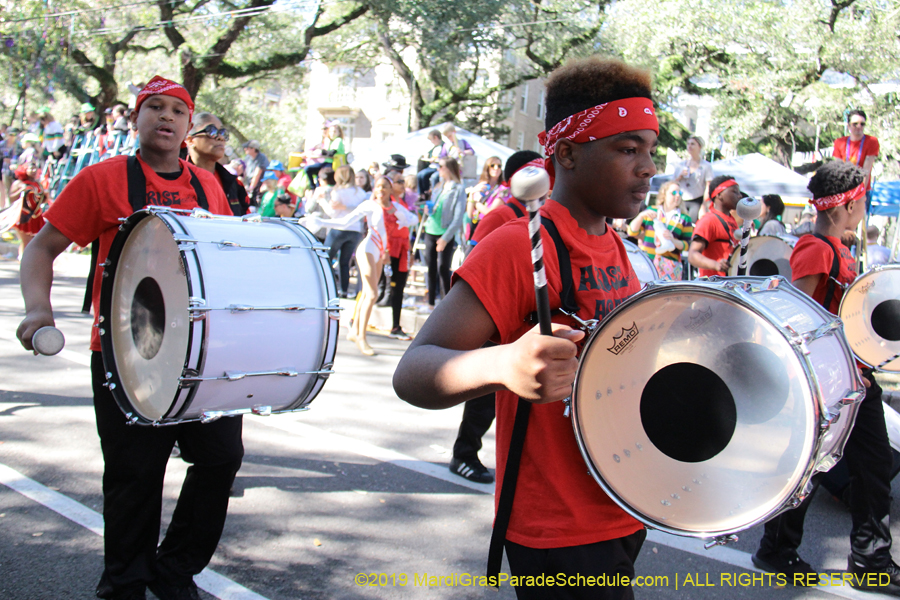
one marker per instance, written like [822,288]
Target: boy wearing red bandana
[134,457]
[714,238]
[858,148]
[820,266]
[600,140]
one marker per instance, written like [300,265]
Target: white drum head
[870,310]
[693,411]
[149,321]
[767,255]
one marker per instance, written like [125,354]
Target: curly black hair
[717,181]
[517,161]
[585,83]
[835,177]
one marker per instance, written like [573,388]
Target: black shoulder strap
[567,295]
[832,276]
[137,197]
[725,225]
[515,208]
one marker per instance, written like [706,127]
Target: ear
[133,117]
[565,153]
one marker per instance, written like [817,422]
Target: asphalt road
[356,485]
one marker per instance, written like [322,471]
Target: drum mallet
[48,341]
[747,209]
[529,184]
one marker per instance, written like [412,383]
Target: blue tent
[886,198]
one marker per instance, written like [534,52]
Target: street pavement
[354,491]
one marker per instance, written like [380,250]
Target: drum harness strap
[137,196]
[518,211]
[832,276]
[523,410]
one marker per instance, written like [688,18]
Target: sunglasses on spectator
[857,123]
[211,131]
[677,193]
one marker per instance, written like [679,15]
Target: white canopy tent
[759,175]
[415,144]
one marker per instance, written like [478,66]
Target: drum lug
[251,218]
[199,213]
[197,308]
[186,246]
[721,540]
[228,244]
[123,219]
[188,378]
[321,252]
[210,416]
[105,263]
[131,419]
[280,247]
[263,411]
[334,310]
[326,371]
[567,403]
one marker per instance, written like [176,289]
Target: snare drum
[203,316]
[641,263]
[767,255]
[703,408]
[870,310]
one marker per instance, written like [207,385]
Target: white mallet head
[529,183]
[48,341]
[749,208]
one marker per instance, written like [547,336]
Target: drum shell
[221,341]
[877,289]
[767,255]
[731,490]
[641,263]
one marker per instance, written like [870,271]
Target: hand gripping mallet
[48,341]
[747,209]
[529,185]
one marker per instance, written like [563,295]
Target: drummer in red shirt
[821,265]
[714,238]
[89,208]
[599,119]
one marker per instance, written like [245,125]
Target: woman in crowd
[693,174]
[444,222]
[28,191]
[335,146]
[364,181]
[342,241]
[374,251]
[664,231]
[489,193]
[206,142]
[398,248]
[772,209]
[320,198]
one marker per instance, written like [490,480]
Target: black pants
[869,461]
[345,243]
[312,173]
[478,414]
[398,284]
[692,208]
[438,263]
[135,460]
[611,558]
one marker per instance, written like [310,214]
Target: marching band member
[821,266]
[714,240]
[89,208]
[600,119]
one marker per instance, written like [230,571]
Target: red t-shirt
[91,205]
[496,218]
[871,147]
[398,239]
[812,256]
[720,242]
[557,502]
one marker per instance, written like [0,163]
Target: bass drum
[870,310]
[641,263]
[203,316]
[704,408]
[767,255]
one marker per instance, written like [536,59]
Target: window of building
[540,106]
[520,141]
[524,104]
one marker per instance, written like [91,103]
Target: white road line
[219,586]
[340,443]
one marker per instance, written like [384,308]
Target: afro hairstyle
[835,177]
[585,83]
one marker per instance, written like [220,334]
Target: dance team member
[27,189]
[714,240]
[135,458]
[600,119]
[373,252]
[821,266]
[479,413]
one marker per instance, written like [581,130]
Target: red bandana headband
[159,86]
[611,118]
[537,163]
[722,187]
[827,202]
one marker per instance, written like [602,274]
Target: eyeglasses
[677,193]
[211,131]
[857,123]
[495,166]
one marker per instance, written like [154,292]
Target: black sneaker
[886,581]
[472,470]
[164,591]
[789,563]
[399,334]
